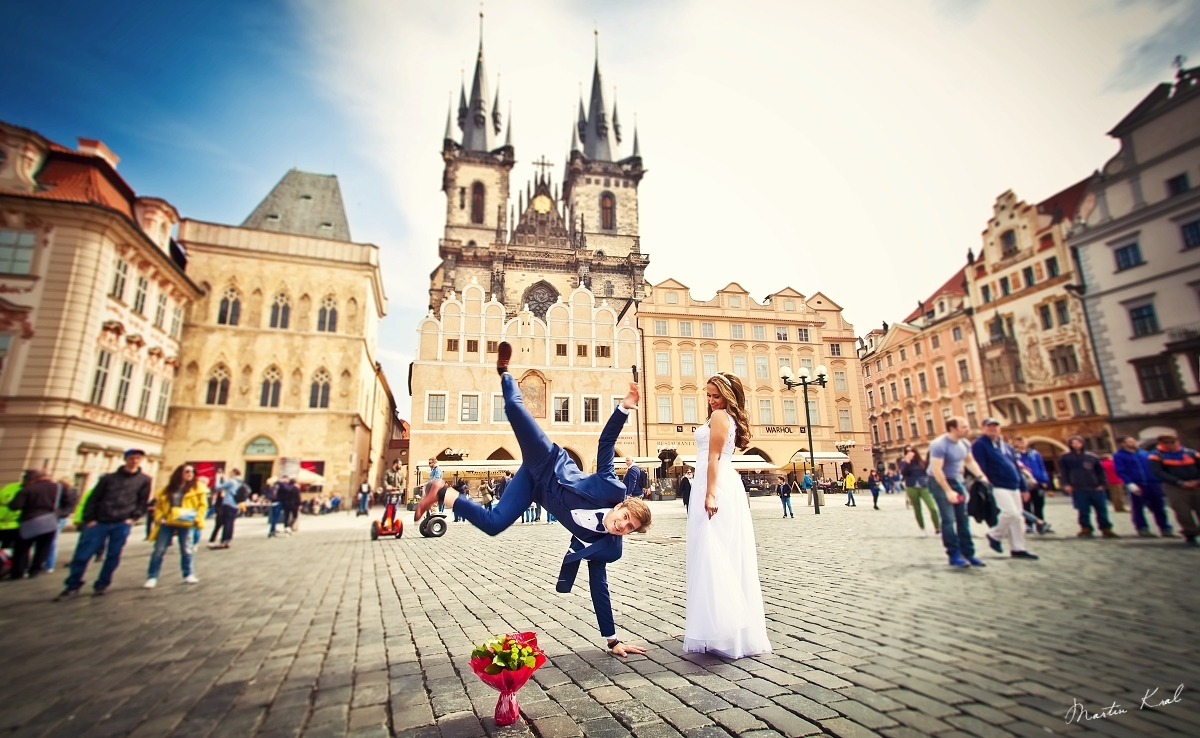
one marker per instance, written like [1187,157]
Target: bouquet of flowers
[506,663]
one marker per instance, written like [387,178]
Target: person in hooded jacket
[1084,479]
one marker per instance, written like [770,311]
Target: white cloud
[854,148]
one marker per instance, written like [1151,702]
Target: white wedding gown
[724,599]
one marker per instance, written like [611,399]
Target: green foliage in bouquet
[505,653]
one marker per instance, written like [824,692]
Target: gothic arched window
[608,289]
[281,310]
[608,212]
[230,308]
[318,395]
[327,315]
[272,382]
[477,202]
[218,387]
[539,298]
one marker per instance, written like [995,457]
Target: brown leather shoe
[429,498]
[503,356]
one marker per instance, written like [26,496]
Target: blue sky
[854,148]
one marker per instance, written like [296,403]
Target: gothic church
[551,243]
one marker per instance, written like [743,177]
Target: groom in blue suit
[592,507]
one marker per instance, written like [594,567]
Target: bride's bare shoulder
[719,416]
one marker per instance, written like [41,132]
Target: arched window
[608,212]
[230,309]
[218,387]
[327,315]
[608,289]
[281,310]
[272,381]
[318,396]
[477,202]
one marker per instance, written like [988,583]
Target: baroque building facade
[93,292]
[1039,370]
[279,365]
[1138,241]
[687,340]
[920,372]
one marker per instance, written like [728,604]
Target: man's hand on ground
[624,649]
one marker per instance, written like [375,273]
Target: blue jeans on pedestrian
[107,536]
[273,516]
[363,499]
[956,526]
[850,496]
[63,523]
[187,550]
[1085,500]
[1149,497]
[787,506]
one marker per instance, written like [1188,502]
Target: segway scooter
[389,525]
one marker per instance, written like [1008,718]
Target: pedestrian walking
[1083,478]
[633,478]
[39,501]
[848,483]
[916,487]
[1132,465]
[784,490]
[275,511]
[116,502]
[364,497]
[874,484]
[1035,502]
[949,454]
[178,509]
[1178,468]
[502,484]
[1116,488]
[998,461]
[809,487]
[685,489]
[232,493]
[70,501]
[289,503]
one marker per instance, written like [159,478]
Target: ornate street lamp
[801,379]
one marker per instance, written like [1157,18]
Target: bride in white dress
[724,599]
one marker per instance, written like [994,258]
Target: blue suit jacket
[633,481]
[561,487]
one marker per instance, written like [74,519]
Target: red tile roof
[953,286]
[68,175]
[1063,205]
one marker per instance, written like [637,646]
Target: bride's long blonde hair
[729,387]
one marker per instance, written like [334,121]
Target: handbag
[42,524]
[181,517]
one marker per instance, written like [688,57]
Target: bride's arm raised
[718,431]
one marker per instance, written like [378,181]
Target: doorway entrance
[257,474]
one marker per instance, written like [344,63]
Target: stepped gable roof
[303,204]
[953,286]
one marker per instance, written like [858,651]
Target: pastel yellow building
[687,340]
[572,367]
[92,296]
[279,369]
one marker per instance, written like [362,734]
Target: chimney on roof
[97,148]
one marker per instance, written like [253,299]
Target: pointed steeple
[449,134]
[581,119]
[508,139]
[462,106]
[496,108]
[637,149]
[616,121]
[575,140]
[597,138]
[477,134]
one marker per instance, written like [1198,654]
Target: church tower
[549,245]
[475,182]
[601,191]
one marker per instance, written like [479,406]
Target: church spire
[597,139]
[449,134]
[496,107]
[508,139]
[477,134]
[637,149]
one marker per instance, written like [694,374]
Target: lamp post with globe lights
[802,378]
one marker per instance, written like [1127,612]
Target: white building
[1138,246]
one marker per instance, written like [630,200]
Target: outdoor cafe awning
[744,462]
[472,468]
[819,456]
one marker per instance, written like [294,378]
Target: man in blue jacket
[593,507]
[1034,496]
[1133,467]
[633,478]
[1178,468]
[999,463]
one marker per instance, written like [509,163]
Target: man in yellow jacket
[179,508]
[9,518]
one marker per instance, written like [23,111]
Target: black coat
[37,498]
[981,504]
[685,490]
[288,495]
[118,497]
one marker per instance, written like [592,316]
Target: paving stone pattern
[328,634]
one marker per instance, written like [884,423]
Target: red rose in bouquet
[505,664]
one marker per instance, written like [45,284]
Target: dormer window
[672,298]
[1008,242]
[327,225]
[273,217]
[306,197]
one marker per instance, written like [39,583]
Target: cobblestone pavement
[328,634]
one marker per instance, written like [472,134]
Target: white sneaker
[151,583]
[191,579]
